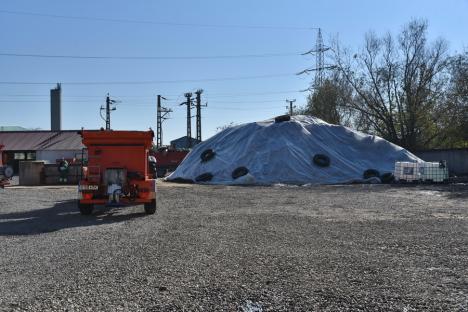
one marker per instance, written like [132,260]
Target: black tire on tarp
[205,177]
[239,172]
[282,118]
[181,180]
[321,160]
[387,177]
[369,173]
[207,155]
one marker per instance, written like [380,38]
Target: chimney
[55,108]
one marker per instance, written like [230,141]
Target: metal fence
[457,159]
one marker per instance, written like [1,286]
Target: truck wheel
[150,208]
[85,209]
[161,172]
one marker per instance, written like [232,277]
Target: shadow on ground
[62,215]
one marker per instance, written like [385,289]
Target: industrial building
[39,145]
[184,142]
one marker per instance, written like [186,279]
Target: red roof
[40,140]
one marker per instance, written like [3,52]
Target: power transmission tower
[320,66]
[188,102]
[162,112]
[291,106]
[199,106]
[319,59]
[109,107]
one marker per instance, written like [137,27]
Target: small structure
[47,146]
[184,142]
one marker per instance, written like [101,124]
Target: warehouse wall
[457,159]
[52,156]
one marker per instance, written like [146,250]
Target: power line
[95,57]
[230,108]
[138,103]
[147,82]
[146,105]
[215,95]
[247,102]
[211,95]
[130,21]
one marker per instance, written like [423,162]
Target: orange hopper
[117,170]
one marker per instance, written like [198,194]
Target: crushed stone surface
[226,248]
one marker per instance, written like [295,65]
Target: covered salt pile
[291,150]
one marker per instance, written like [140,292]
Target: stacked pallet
[51,174]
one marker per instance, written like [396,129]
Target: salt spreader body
[118,170]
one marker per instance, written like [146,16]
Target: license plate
[89,187]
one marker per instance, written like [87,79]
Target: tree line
[404,88]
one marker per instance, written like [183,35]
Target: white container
[434,171]
[407,171]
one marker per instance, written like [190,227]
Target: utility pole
[291,106]
[188,102]
[199,106]
[109,107]
[161,116]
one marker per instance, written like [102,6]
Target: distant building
[184,142]
[12,128]
[39,145]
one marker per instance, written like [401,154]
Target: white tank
[407,171]
[434,171]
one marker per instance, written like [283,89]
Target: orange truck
[117,170]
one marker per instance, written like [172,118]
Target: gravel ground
[224,248]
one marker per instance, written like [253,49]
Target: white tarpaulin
[282,152]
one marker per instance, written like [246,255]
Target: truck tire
[205,177]
[207,155]
[369,173]
[387,177]
[282,118]
[150,208]
[321,160]
[85,209]
[239,172]
[161,172]
[8,172]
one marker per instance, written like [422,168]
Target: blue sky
[238,101]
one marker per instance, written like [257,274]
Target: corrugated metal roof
[40,140]
[183,142]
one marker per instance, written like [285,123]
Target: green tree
[454,117]
[325,102]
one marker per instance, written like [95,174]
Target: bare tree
[227,126]
[398,84]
